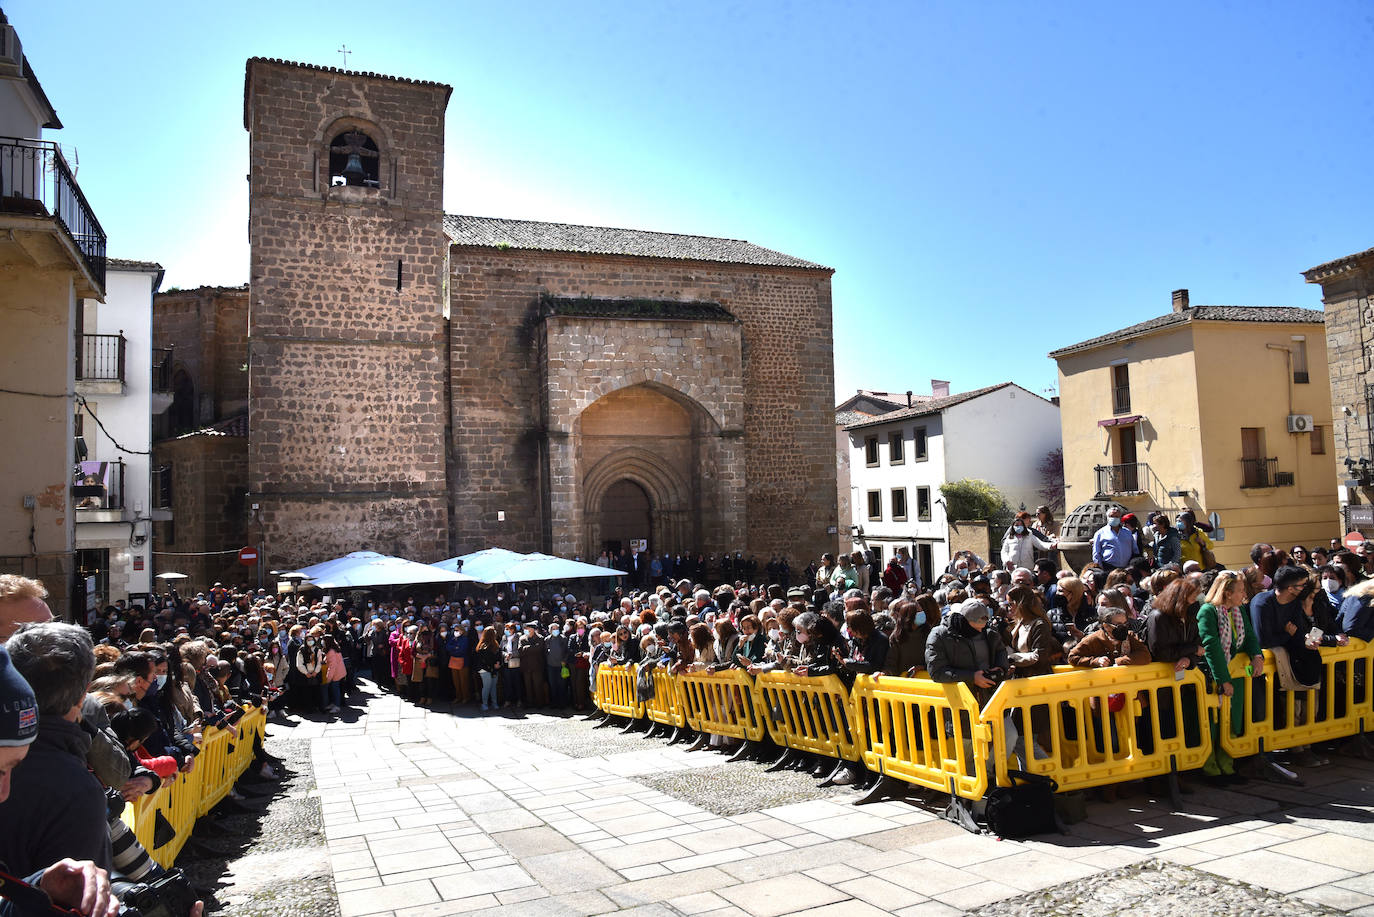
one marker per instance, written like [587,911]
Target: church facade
[427,384]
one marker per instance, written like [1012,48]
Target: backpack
[1023,809]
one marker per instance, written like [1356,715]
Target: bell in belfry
[353,171]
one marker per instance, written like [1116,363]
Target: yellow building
[1224,410]
[52,255]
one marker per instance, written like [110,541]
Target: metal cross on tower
[345,52]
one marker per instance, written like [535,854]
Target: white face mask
[1331,585]
[161,680]
[773,634]
[802,636]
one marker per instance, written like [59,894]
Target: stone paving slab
[429,813]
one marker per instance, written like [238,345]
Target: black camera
[995,675]
[169,896]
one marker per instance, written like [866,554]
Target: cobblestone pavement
[266,856]
[429,813]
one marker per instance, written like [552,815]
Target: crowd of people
[87,728]
[93,718]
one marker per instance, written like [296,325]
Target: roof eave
[1339,267]
[808,267]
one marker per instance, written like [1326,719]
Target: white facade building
[122,383]
[898,461]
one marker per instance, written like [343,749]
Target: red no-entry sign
[1353,540]
[248,556]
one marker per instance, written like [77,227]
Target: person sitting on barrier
[681,652]
[1226,631]
[1357,611]
[1112,643]
[965,650]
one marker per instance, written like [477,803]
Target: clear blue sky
[990,181]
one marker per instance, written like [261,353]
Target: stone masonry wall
[207,329]
[785,423]
[209,515]
[1350,359]
[346,334]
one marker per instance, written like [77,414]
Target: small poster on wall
[639,544]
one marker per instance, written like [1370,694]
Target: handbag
[1024,808]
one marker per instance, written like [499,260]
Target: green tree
[971,498]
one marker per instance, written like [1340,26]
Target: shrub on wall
[971,498]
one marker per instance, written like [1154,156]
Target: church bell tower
[346,364]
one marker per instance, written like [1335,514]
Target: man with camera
[966,649]
[83,886]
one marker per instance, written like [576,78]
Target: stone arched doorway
[626,516]
[646,456]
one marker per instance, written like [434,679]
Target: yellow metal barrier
[184,798]
[615,691]
[722,703]
[809,714]
[923,732]
[665,707]
[1069,731]
[1272,718]
[213,763]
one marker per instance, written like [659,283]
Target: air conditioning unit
[11,52]
[1299,423]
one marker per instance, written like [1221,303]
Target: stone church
[427,384]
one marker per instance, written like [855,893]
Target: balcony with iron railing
[1121,480]
[100,362]
[36,181]
[1256,473]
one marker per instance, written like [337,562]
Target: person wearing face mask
[308,664]
[1193,542]
[1333,584]
[1113,545]
[966,650]
[1020,543]
[913,619]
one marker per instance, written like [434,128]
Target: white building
[898,460]
[121,383]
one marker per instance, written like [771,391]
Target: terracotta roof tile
[494,232]
[1280,314]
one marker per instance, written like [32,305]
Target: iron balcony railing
[162,369]
[100,358]
[1122,479]
[99,485]
[1121,399]
[35,180]
[1259,472]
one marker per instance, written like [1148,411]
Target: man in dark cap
[82,886]
[57,807]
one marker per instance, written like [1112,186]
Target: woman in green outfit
[1224,626]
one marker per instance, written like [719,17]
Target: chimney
[1180,300]
[939,388]
[908,397]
